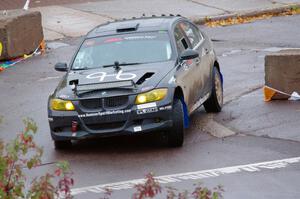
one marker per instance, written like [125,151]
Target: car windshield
[125,49]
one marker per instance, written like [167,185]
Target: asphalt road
[265,132]
[18,4]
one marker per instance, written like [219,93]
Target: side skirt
[199,102]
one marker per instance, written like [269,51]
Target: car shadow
[119,143]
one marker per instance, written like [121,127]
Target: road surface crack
[209,6]
[268,137]
[60,33]
[236,97]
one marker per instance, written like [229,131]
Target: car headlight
[61,105]
[151,96]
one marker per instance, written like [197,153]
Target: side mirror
[61,67]
[189,54]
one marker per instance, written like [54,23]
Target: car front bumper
[137,119]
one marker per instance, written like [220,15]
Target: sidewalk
[73,20]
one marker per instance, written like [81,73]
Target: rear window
[128,48]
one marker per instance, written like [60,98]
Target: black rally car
[136,76]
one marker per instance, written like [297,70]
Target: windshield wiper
[84,68]
[117,64]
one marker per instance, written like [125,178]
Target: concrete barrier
[282,72]
[21,33]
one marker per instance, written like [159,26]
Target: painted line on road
[180,177]
[48,78]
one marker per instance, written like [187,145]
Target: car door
[185,74]
[202,65]
[209,57]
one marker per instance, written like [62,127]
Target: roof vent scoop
[128,28]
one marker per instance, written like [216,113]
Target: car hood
[143,77]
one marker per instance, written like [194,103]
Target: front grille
[91,103]
[115,101]
[106,119]
[110,102]
[104,126]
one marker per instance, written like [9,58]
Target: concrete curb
[244,14]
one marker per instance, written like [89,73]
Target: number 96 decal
[119,76]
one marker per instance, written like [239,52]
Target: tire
[175,135]
[215,102]
[62,144]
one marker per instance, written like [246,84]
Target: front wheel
[215,102]
[176,133]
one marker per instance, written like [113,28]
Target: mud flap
[186,118]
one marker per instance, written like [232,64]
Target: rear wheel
[176,133]
[215,102]
[62,144]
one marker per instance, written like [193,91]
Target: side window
[181,42]
[192,33]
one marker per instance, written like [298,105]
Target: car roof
[143,24]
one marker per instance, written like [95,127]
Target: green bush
[22,152]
